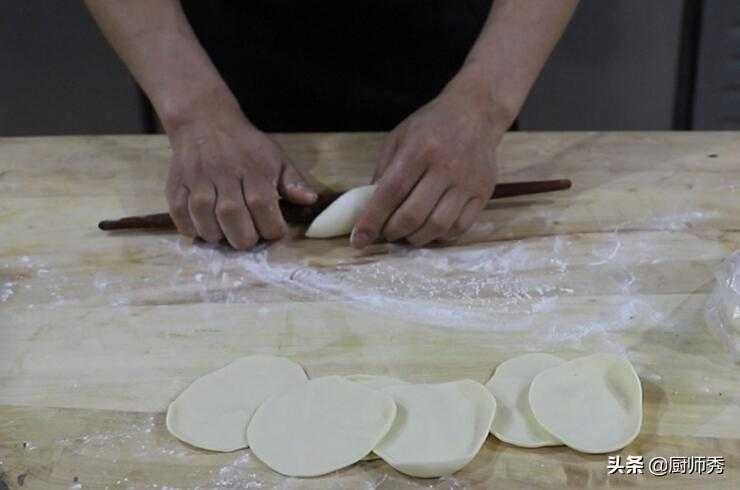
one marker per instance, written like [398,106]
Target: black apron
[336,65]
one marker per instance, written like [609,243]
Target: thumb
[293,187]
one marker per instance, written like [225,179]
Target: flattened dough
[439,428]
[213,412]
[514,422]
[320,426]
[377,383]
[593,404]
[340,217]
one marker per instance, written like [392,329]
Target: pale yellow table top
[99,332]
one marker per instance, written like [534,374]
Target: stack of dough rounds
[593,404]
[213,412]
[320,427]
[514,421]
[439,427]
[340,217]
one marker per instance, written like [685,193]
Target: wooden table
[99,332]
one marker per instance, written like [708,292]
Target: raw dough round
[320,426]
[213,412]
[593,404]
[439,428]
[514,422]
[341,215]
[375,382]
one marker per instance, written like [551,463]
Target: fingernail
[359,239]
[310,194]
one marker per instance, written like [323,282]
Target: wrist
[207,103]
[474,84]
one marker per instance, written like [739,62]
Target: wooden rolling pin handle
[512,189]
[294,213]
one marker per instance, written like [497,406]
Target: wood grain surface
[99,332]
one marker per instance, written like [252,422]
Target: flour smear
[521,286]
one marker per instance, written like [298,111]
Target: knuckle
[257,201]
[449,168]
[201,202]
[179,209]
[407,220]
[228,209]
[393,187]
[428,145]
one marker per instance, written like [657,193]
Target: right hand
[225,180]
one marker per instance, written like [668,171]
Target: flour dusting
[519,286]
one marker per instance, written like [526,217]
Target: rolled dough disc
[376,383]
[341,215]
[439,428]
[514,422]
[320,426]
[593,404]
[213,412]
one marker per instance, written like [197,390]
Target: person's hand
[436,172]
[225,180]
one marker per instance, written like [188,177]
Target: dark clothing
[336,65]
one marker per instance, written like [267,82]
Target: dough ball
[439,428]
[514,422]
[319,427]
[213,412]
[341,215]
[593,404]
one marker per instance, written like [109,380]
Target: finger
[233,216]
[414,211]
[178,203]
[442,219]
[202,208]
[467,218]
[391,191]
[294,187]
[386,154]
[262,201]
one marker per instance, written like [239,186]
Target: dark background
[622,65]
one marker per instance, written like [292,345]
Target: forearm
[156,42]
[514,45]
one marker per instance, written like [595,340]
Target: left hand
[436,171]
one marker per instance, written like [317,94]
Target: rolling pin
[304,215]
